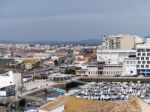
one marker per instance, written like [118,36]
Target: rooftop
[74,104]
[52,105]
[30,60]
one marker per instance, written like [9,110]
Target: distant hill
[82,42]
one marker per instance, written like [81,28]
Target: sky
[36,20]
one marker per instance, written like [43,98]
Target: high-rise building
[120,42]
[130,52]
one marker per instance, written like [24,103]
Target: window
[137,58]
[142,66]
[139,62]
[143,50]
[148,62]
[143,54]
[147,50]
[137,66]
[143,62]
[142,58]
[139,50]
[148,54]
[147,58]
[139,54]
[147,66]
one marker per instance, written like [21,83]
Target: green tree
[70,71]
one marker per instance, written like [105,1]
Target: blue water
[51,95]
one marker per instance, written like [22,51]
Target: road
[116,79]
[36,85]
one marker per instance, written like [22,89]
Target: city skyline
[57,20]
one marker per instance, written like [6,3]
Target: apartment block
[120,42]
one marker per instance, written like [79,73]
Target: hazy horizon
[67,20]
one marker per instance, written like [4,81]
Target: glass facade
[143,61]
[144,72]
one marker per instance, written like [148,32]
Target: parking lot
[114,90]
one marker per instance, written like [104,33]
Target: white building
[55,58]
[100,70]
[10,78]
[90,71]
[120,50]
[120,42]
[8,81]
[45,55]
[112,70]
[143,58]
[129,66]
[113,56]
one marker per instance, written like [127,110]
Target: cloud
[112,18]
[56,17]
[8,22]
